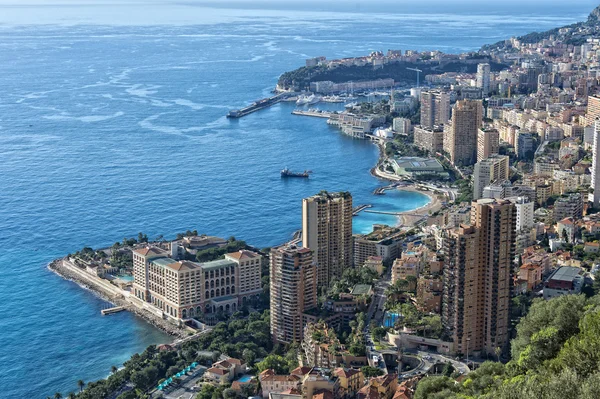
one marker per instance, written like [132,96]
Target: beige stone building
[460,134]
[488,143]
[435,108]
[293,291]
[184,289]
[429,138]
[327,231]
[478,277]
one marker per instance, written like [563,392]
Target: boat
[288,173]
[308,100]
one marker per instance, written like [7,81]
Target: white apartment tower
[487,171]
[483,78]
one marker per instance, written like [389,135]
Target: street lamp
[468,340]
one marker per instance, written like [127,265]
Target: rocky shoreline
[57,266]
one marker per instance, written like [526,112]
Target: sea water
[112,122]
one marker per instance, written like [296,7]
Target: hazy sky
[150,12]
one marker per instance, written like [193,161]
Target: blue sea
[112,122]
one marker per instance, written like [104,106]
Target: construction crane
[418,71]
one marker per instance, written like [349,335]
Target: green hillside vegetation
[300,78]
[555,354]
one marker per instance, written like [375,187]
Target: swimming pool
[390,319]
[245,378]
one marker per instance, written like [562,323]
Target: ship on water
[288,173]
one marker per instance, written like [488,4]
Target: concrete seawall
[112,294]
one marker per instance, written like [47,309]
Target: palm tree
[81,385]
[71,395]
[58,395]
[114,369]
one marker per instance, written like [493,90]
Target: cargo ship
[288,173]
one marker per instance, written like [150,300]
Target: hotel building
[184,289]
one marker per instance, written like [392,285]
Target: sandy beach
[409,218]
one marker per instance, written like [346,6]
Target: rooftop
[217,264]
[416,163]
[163,262]
[566,273]
[361,289]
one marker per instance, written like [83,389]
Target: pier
[116,309]
[381,190]
[359,208]
[259,104]
[316,114]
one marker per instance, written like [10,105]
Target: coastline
[406,218]
[97,287]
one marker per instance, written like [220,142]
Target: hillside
[575,34]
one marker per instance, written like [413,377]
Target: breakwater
[112,294]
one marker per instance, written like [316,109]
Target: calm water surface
[113,123]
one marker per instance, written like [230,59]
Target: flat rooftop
[412,163]
[566,273]
[217,264]
[361,289]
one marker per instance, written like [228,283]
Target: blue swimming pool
[390,319]
[245,378]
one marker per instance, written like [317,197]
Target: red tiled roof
[145,251]
[340,372]
[216,370]
[243,254]
[301,370]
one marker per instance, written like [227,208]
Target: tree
[428,387]
[229,393]
[58,395]
[379,333]
[81,385]
[547,322]
[113,369]
[369,371]
[71,395]
[275,362]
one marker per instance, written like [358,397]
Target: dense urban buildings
[327,231]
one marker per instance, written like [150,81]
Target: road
[429,360]
[376,313]
[186,389]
